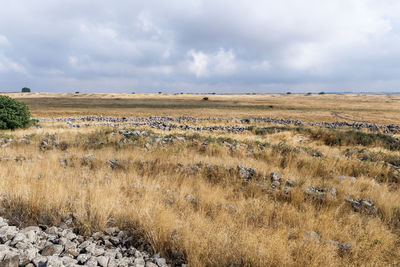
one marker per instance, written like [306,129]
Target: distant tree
[133,93]
[308,94]
[289,93]
[159,93]
[25,90]
[76,92]
[205,98]
[321,93]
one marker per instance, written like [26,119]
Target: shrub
[321,93]
[13,114]
[25,90]
[271,130]
[205,98]
[289,93]
[354,138]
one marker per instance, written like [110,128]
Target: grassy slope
[228,221]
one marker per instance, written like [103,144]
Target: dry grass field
[384,109]
[208,198]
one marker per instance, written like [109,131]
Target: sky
[192,46]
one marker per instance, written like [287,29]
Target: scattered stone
[276,181]
[350,178]
[88,156]
[246,173]
[342,247]
[362,205]
[312,236]
[10,261]
[49,141]
[115,164]
[103,261]
[52,250]
[189,198]
[289,186]
[112,231]
[317,154]
[320,193]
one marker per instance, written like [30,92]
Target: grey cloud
[209,45]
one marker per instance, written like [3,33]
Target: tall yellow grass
[226,222]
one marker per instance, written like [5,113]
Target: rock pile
[277,182]
[246,173]
[5,142]
[167,123]
[362,205]
[391,128]
[320,193]
[49,141]
[36,246]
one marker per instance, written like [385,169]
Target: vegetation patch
[354,138]
[13,114]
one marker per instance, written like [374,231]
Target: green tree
[25,90]
[13,114]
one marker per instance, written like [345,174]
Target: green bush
[13,114]
[25,90]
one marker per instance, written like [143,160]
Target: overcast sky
[200,46]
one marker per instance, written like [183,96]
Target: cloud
[220,63]
[200,45]
[225,61]
[7,65]
[199,64]
[4,40]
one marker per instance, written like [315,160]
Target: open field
[216,191]
[384,109]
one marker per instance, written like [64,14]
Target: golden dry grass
[227,222]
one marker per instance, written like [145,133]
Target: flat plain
[235,180]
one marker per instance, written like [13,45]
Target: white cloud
[219,63]
[4,40]
[8,65]
[199,64]
[225,61]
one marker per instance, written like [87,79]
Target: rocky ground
[60,246]
[170,123]
[250,194]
